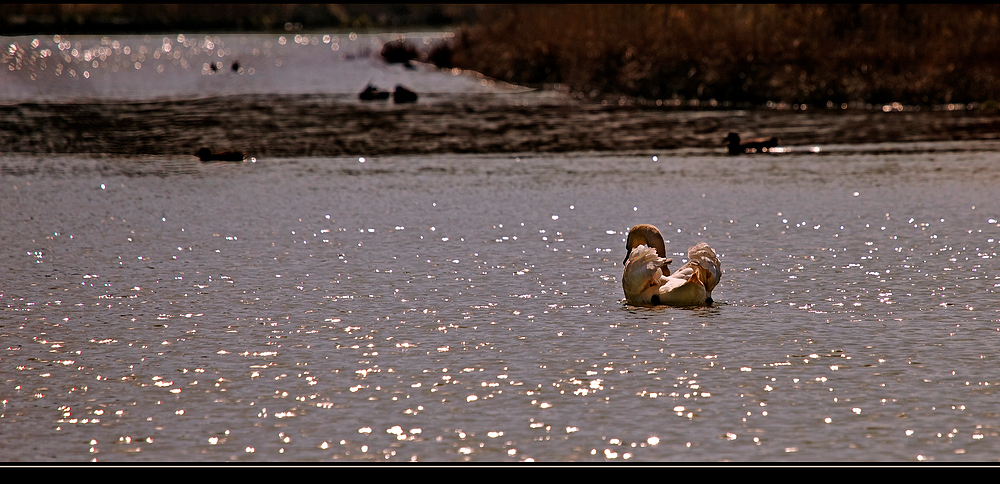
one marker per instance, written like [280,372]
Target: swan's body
[647,280]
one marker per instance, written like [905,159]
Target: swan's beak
[626,256]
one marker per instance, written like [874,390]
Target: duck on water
[206,154]
[401,95]
[373,93]
[646,278]
[736,147]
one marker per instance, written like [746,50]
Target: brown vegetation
[744,54]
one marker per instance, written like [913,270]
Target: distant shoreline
[340,30]
[339,125]
[735,55]
[155,19]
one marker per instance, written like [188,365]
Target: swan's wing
[710,268]
[643,270]
[642,267]
[682,288]
[677,279]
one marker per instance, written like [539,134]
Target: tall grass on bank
[744,54]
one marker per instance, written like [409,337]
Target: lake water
[467,307]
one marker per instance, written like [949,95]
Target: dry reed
[743,54]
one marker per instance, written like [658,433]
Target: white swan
[645,280]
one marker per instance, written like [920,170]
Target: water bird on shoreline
[206,154]
[645,278]
[373,93]
[403,95]
[399,52]
[735,147]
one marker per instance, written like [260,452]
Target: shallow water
[61,68]
[468,308]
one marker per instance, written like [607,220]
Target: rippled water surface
[468,308]
[307,305]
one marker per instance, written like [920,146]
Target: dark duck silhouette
[403,95]
[399,52]
[372,93]
[736,147]
[206,154]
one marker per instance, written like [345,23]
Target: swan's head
[644,234]
[733,138]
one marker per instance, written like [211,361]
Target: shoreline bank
[339,125]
